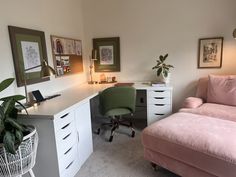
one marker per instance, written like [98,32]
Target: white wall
[148,28]
[54,17]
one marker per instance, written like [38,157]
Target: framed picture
[28,50]
[108,54]
[210,52]
[67,55]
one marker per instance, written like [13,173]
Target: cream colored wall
[57,17]
[148,28]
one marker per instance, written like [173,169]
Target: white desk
[64,126]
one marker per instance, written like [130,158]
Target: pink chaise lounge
[199,140]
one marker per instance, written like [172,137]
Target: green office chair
[115,102]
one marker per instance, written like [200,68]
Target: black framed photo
[108,54]
[210,52]
[28,50]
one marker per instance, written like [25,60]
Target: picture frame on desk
[108,54]
[210,52]
[28,50]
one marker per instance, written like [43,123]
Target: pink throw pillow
[202,88]
[222,90]
[192,102]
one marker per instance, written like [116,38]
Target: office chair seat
[116,102]
[118,112]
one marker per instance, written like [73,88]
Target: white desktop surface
[69,98]
[74,96]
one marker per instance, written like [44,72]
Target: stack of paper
[158,84]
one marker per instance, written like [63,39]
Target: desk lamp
[91,66]
[46,71]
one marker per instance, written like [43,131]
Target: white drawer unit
[65,141]
[159,103]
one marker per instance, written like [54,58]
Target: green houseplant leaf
[4,84]
[15,97]
[14,124]
[159,71]
[9,142]
[8,106]
[166,55]
[161,58]
[19,137]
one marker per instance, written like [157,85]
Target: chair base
[116,121]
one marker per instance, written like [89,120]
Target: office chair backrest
[117,97]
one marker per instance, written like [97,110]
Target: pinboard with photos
[67,55]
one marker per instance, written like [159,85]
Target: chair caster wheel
[98,131]
[111,138]
[155,167]
[133,134]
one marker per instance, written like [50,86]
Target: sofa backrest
[202,88]
[220,89]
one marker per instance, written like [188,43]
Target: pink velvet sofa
[199,140]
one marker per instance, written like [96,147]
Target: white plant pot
[13,165]
[164,79]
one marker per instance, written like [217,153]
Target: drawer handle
[65,126]
[160,114]
[159,98]
[69,165]
[67,151]
[78,136]
[66,136]
[159,91]
[62,117]
[141,100]
[160,104]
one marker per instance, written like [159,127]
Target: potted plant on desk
[18,142]
[163,69]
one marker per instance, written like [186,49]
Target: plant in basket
[18,142]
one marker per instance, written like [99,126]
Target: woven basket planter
[24,159]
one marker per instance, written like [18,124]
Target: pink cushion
[222,90]
[202,88]
[192,102]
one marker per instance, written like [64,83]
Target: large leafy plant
[11,131]
[162,67]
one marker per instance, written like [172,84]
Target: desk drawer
[159,100]
[64,142]
[153,117]
[68,158]
[159,93]
[63,119]
[67,129]
[71,168]
[159,108]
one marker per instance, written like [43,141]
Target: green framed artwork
[28,50]
[108,54]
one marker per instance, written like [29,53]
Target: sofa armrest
[192,102]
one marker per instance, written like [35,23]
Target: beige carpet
[121,158]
